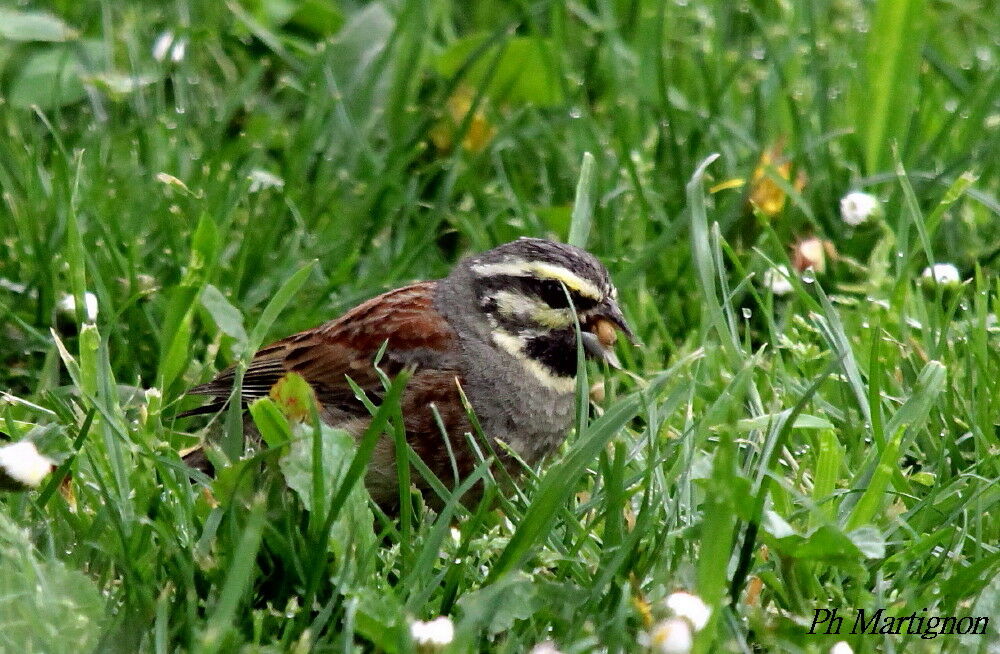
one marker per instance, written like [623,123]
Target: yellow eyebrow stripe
[513,305]
[543,271]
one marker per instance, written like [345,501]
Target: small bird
[501,326]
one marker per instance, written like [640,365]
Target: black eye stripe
[549,291]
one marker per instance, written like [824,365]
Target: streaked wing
[325,356]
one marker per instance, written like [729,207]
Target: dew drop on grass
[808,276]
[747,313]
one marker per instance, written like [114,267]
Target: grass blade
[583,206]
[237,580]
[892,62]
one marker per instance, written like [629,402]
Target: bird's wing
[404,319]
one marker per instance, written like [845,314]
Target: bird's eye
[551,292]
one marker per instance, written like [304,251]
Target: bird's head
[533,290]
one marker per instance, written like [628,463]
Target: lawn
[810,422]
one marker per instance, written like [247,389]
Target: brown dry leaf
[754,586]
[67,492]
[813,252]
[209,497]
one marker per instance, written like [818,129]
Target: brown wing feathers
[325,356]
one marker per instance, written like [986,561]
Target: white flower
[261,180]
[21,462]
[943,273]
[857,207]
[671,636]
[13,287]
[162,45]
[778,279]
[67,305]
[690,607]
[166,44]
[434,635]
[177,52]
[841,648]
[546,647]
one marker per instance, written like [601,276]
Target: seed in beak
[596,348]
[605,331]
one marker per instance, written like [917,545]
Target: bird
[500,328]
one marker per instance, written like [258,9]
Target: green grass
[836,447]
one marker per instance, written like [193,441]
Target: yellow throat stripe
[512,344]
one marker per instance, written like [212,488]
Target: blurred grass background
[832,447]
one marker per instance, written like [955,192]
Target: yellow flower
[479,133]
[765,194]
[644,609]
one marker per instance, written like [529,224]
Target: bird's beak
[599,333]
[612,312]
